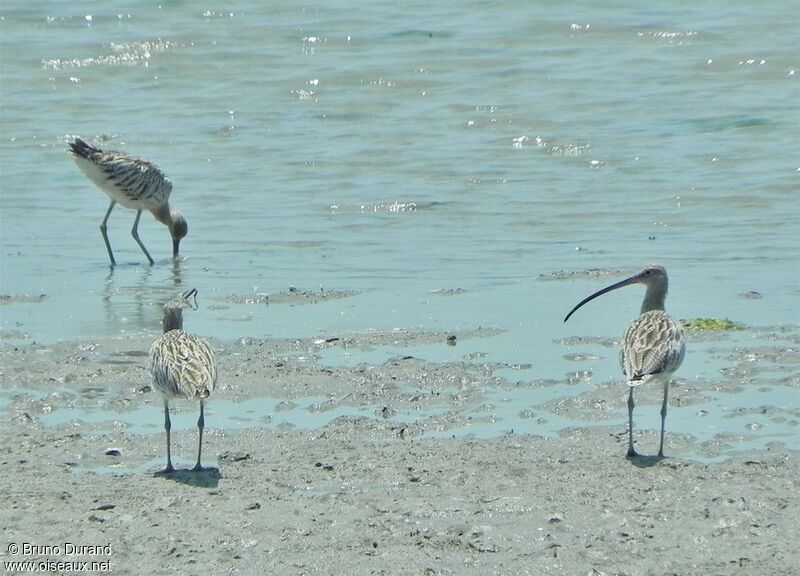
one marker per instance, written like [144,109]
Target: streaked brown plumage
[654,344]
[134,183]
[182,366]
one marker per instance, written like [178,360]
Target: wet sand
[384,493]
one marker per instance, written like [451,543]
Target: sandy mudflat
[369,494]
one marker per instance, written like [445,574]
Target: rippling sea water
[440,162]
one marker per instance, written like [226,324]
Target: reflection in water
[177,280]
[109,281]
[130,308]
[137,304]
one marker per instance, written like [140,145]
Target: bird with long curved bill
[653,345]
[134,183]
[182,366]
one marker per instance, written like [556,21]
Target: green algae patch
[697,324]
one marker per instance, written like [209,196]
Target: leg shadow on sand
[203,478]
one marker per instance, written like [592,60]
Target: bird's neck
[173,319]
[654,299]
[163,214]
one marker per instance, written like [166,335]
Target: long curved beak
[626,282]
[190,297]
[175,243]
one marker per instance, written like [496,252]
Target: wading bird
[182,366]
[134,183]
[653,345]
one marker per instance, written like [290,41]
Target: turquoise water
[399,149]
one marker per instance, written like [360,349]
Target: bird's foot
[197,468]
[166,471]
[631,453]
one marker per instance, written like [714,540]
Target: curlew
[134,183]
[182,366]
[653,345]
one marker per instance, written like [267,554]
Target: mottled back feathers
[183,365]
[131,181]
[653,344]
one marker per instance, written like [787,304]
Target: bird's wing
[654,343]
[133,177]
[183,365]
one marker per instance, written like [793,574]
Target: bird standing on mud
[134,183]
[654,344]
[182,366]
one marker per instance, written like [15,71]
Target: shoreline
[391,482]
[353,497]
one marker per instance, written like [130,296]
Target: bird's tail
[637,380]
[82,149]
[642,377]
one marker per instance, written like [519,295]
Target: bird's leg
[200,424]
[135,234]
[103,231]
[631,452]
[663,418]
[167,428]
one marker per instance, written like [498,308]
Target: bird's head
[173,310]
[653,276]
[178,228]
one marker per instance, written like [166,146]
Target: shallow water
[441,164]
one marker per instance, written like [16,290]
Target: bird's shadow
[205,478]
[641,461]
